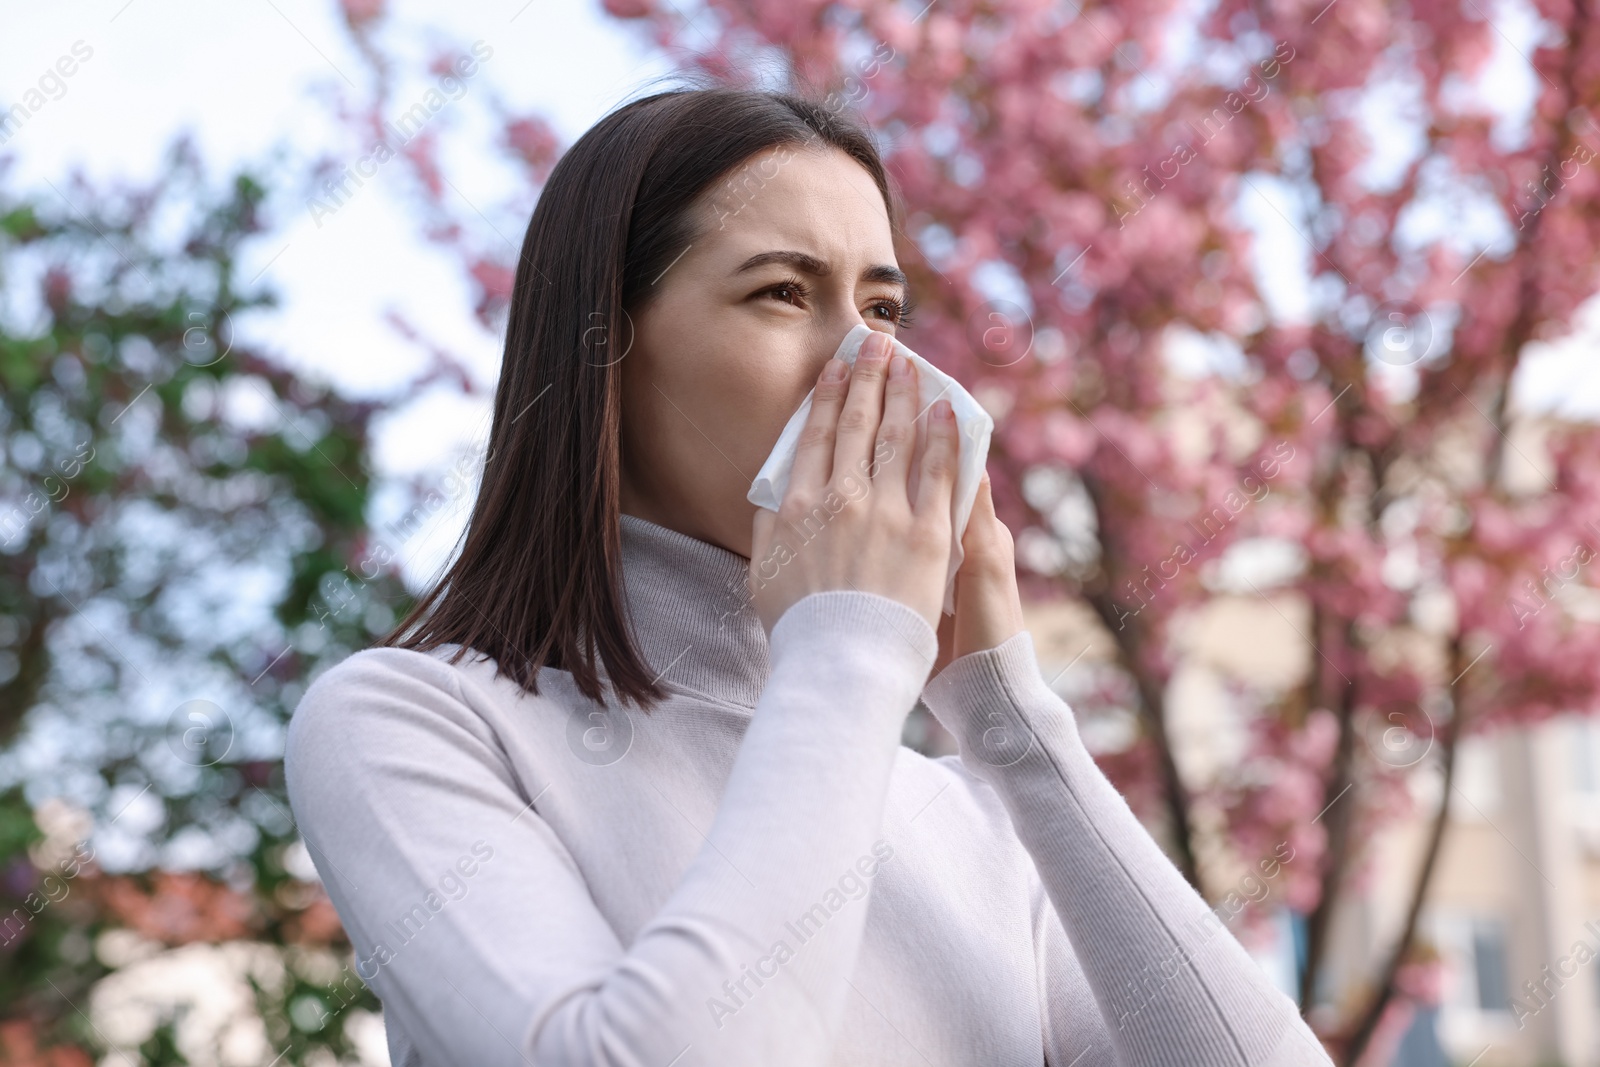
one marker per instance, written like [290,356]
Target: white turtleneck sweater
[757,872]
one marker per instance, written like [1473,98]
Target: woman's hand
[846,520]
[988,604]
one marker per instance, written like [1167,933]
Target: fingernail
[834,370]
[877,345]
[942,408]
[899,366]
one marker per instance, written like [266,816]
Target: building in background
[1514,908]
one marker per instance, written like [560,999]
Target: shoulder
[386,724]
[441,667]
[374,677]
[375,698]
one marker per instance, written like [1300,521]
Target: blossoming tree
[1086,189]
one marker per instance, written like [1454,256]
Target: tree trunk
[1336,810]
[1360,1034]
[1129,637]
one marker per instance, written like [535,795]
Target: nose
[836,332]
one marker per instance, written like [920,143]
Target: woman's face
[794,252]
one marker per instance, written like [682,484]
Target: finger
[856,433]
[983,503]
[760,542]
[987,542]
[937,478]
[982,520]
[761,529]
[813,456]
[897,434]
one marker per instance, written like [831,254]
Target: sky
[254,76]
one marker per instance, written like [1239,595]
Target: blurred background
[1284,312]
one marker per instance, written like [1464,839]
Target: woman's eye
[898,313]
[789,294]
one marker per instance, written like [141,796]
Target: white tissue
[973,427]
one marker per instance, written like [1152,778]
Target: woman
[746,867]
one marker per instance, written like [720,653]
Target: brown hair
[537,581]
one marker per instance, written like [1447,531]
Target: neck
[690,609]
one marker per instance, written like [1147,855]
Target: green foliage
[138,503]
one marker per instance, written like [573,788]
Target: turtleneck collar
[690,608]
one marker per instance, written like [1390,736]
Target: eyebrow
[803,261]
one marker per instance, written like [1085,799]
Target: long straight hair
[537,581]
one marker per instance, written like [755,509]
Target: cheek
[760,398]
[685,404]
[697,379]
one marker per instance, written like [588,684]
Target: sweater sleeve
[400,789]
[1075,1034]
[1174,986]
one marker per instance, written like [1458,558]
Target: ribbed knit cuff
[991,701]
[852,619]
